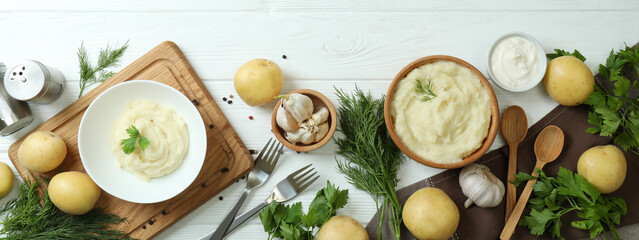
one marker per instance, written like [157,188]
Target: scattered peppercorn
[143,226]
[203,185]
[252,151]
[221,198]
[150,221]
[164,212]
[243,177]
[230,102]
[225,169]
[224,99]
[231,96]
[211,126]
[284,56]
[251,117]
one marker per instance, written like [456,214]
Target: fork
[263,168]
[285,190]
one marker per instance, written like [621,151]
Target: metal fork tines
[285,190]
[264,164]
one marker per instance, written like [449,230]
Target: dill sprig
[30,216]
[89,74]
[371,158]
[425,90]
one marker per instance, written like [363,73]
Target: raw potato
[604,167]
[342,228]
[6,179]
[42,151]
[568,81]
[73,192]
[258,81]
[429,214]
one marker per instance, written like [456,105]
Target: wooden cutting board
[227,159]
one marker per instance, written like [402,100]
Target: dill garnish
[30,216]
[371,158]
[90,75]
[425,90]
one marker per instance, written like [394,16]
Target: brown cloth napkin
[487,223]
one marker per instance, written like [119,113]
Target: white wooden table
[327,44]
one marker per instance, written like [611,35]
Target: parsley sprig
[616,111]
[554,197]
[425,90]
[128,144]
[560,52]
[290,223]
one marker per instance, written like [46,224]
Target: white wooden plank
[318,6]
[317,46]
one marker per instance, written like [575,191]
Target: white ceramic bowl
[95,149]
[540,52]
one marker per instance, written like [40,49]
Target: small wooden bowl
[494,116]
[318,100]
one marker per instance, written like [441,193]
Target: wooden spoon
[514,127]
[548,146]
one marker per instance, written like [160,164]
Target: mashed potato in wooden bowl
[441,112]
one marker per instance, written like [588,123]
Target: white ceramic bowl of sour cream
[97,156]
[517,62]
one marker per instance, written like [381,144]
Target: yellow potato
[429,214]
[342,228]
[42,151]
[73,192]
[258,81]
[568,81]
[604,167]
[6,179]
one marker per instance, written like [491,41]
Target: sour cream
[165,129]
[515,62]
[451,125]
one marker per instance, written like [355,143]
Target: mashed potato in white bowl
[162,114]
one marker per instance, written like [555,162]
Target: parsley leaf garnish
[128,145]
[554,197]
[290,223]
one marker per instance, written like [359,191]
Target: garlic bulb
[481,186]
[301,122]
[299,106]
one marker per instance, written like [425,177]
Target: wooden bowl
[318,100]
[494,117]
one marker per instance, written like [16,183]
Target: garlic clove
[302,135]
[481,186]
[322,130]
[320,115]
[299,106]
[285,120]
